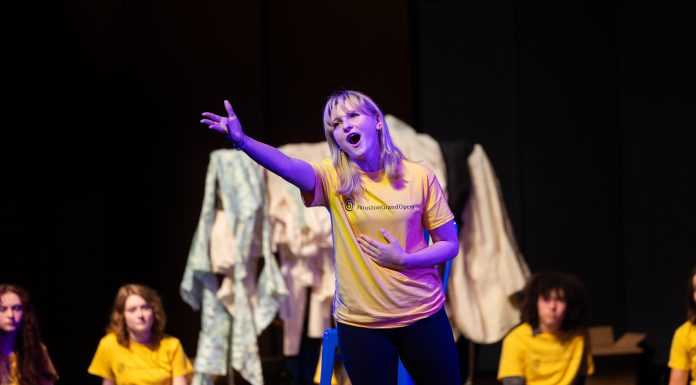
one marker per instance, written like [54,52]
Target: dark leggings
[426,348]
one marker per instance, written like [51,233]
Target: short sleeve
[436,210]
[181,366]
[511,358]
[317,197]
[679,352]
[101,362]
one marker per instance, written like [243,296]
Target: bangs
[546,292]
[347,102]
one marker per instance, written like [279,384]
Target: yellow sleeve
[181,366]
[436,211]
[511,357]
[101,362]
[319,196]
[679,353]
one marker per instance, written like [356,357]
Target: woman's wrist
[238,144]
[405,260]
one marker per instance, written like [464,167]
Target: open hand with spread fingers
[390,255]
[228,126]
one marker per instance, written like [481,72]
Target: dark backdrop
[584,109]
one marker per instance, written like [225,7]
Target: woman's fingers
[217,126]
[210,122]
[367,247]
[212,116]
[228,107]
[369,242]
[228,125]
[388,236]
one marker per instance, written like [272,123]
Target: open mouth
[353,138]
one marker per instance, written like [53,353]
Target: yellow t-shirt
[138,364]
[541,359]
[367,294]
[8,368]
[682,355]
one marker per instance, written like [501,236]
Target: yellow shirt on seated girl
[541,359]
[682,355]
[139,364]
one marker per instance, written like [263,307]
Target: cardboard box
[615,360]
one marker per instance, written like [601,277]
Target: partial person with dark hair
[24,359]
[682,355]
[389,299]
[551,346]
[136,350]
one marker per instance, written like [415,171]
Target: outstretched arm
[293,170]
[444,247]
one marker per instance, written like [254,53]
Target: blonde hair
[390,156]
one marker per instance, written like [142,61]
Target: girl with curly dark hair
[682,356]
[136,350]
[24,359]
[551,345]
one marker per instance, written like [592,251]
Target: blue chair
[330,340]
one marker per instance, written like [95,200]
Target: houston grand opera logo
[349,205]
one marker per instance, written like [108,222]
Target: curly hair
[690,302]
[574,293]
[348,173]
[117,323]
[32,359]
